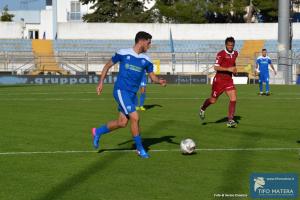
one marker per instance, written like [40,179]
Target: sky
[23,4]
[38,4]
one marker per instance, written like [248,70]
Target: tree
[267,9]
[184,11]
[6,17]
[224,11]
[180,11]
[118,11]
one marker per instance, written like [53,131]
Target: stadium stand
[180,46]
[246,59]
[45,60]
[271,46]
[60,56]
[13,45]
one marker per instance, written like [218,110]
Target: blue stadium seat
[271,45]
[12,45]
[188,46]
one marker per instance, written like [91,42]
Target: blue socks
[260,86]
[138,142]
[102,130]
[142,99]
[267,86]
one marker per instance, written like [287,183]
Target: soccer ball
[187,146]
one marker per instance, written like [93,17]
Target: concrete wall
[77,30]
[11,30]
[266,31]
[46,24]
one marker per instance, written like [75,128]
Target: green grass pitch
[58,119]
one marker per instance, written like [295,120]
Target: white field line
[154,150]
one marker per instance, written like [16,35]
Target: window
[48,2]
[75,14]
[33,34]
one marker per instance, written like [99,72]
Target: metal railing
[81,62]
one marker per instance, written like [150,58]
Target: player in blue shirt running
[133,64]
[262,67]
[140,105]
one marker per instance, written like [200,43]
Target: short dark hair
[230,39]
[142,35]
[264,50]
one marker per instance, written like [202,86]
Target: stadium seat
[13,45]
[181,46]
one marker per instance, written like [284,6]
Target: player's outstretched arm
[273,69]
[106,67]
[155,79]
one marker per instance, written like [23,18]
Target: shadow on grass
[150,141]
[57,191]
[148,107]
[116,149]
[223,120]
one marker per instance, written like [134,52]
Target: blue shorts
[143,84]
[144,81]
[263,77]
[126,101]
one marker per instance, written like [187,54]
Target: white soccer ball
[187,146]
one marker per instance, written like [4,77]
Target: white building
[40,17]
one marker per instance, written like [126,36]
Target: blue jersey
[263,63]
[144,80]
[132,68]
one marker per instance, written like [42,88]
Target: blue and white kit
[131,71]
[263,63]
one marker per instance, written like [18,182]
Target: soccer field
[46,146]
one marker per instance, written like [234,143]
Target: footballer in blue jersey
[132,66]
[262,67]
[141,101]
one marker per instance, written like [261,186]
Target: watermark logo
[259,183]
[274,185]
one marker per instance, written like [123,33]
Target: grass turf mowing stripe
[109,99]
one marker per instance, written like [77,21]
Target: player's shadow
[298,141]
[148,142]
[116,149]
[150,106]
[223,120]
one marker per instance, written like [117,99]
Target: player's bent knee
[122,124]
[134,116]
[213,100]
